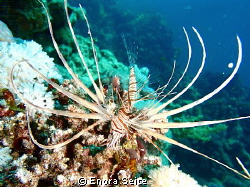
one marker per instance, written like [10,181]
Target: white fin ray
[63,143]
[174,142]
[94,53]
[176,125]
[208,96]
[98,92]
[77,99]
[76,79]
[179,80]
[152,112]
[159,91]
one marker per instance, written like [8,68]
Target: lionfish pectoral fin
[206,97]
[98,91]
[77,99]
[101,93]
[243,167]
[174,142]
[153,111]
[172,125]
[114,140]
[63,143]
[179,80]
[159,149]
[76,79]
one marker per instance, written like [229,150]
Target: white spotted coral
[170,176]
[27,81]
[5,157]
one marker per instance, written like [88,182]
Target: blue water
[218,21]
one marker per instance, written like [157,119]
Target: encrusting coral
[12,52]
[170,176]
[6,34]
[5,157]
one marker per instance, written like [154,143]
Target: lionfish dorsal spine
[132,88]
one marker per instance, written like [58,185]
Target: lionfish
[125,119]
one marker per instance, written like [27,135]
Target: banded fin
[132,88]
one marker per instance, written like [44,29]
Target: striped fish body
[119,126]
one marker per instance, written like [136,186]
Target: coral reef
[6,34]
[27,19]
[5,157]
[85,157]
[170,176]
[63,167]
[28,51]
[25,164]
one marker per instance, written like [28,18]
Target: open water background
[218,21]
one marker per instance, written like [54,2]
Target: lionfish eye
[105,86]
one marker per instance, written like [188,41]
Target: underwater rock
[23,21]
[26,18]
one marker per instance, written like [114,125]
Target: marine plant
[117,107]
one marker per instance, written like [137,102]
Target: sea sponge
[170,176]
